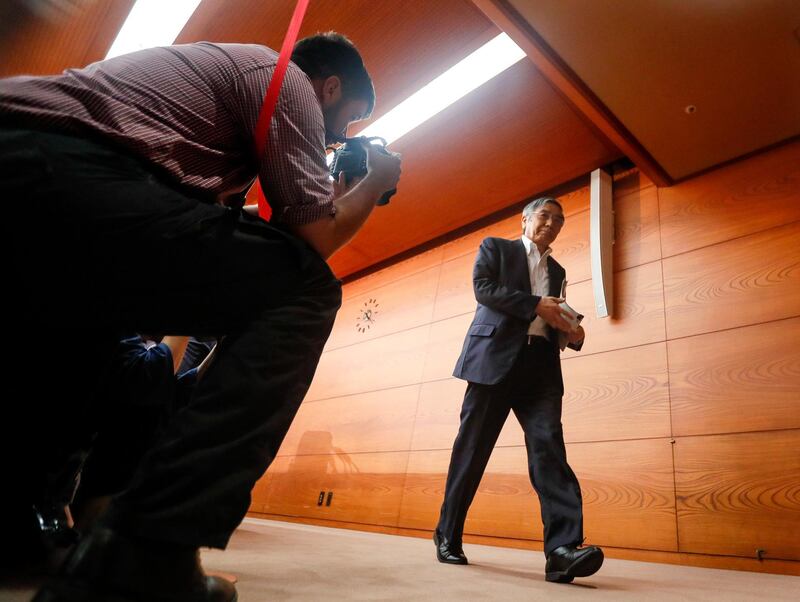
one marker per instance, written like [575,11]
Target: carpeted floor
[285,561]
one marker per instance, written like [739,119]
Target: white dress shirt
[540,281]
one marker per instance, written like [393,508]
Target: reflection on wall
[681,414]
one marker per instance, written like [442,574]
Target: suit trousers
[96,245]
[533,390]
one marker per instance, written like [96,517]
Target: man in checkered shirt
[124,183]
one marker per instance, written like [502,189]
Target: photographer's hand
[353,206]
[341,187]
[383,168]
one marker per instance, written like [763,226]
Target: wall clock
[366,315]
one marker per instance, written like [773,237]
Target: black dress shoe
[447,552]
[567,562]
[106,566]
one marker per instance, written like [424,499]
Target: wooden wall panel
[455,295]
[437,420]
[739,493]
[438,417]
[571,248]
[468,244]
[638,315]
[637,233]
[616,395]
[736,283]
[628,492]
[745,379]
[649,373]
[737,200]
[376,421]
[391,361]
[402,269]
[396,306]
[423,490]
[444,346]
[367,488]
[506,504]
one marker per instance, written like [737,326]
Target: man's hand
[353,205]
[382,168]
[342,187]
[577,335]
[549,310]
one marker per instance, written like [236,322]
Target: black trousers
[95,245]
[533,389]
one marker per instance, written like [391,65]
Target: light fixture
[486,62]
[152,23]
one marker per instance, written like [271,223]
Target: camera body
[351,158]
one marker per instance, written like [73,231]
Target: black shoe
[447,552]
[567,562]
[107,566]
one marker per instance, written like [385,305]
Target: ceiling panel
[511,138]
[736,61]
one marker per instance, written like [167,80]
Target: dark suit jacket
[505,310]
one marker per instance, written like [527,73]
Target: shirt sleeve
[293,172]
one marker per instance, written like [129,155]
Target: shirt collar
[533,250]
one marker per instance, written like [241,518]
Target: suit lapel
[556,277]
[521,266]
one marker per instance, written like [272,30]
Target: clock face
[366,315]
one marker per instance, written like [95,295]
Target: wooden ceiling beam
[571,87]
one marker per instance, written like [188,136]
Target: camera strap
[271,100]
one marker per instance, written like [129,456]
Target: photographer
[133,171]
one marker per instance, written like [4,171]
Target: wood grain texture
[638,315]
[571,248]
[517,20]
[444,346]
[497,508]
[376,421]
[455,295]
[438,417]
[396,306]
[392,361]
[740,199]
[736,283]
[75,37]
[746,379]
[739,493]
[616,395]
[394,272]
[628,492]
[468,244]
[637,235]
[367,488]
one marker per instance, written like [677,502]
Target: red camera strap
[271,99]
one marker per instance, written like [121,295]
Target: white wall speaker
[601,237]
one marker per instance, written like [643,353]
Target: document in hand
[573,317]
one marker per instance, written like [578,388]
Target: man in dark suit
[511,362]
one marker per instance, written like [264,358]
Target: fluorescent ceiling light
[152,23]
[486,62]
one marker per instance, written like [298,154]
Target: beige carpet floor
[284,561]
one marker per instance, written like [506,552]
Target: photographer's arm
[330,233]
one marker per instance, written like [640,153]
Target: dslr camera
[351,158]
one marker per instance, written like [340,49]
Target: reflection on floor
[284,561]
